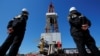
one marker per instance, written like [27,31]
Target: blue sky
[37,19]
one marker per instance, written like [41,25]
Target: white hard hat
[72,8]
[24,9]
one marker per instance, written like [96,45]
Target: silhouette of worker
[79,28]
[16,29]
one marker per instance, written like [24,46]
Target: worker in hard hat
[80,32]
[16,30]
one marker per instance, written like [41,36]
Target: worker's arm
[10,30]
[85,23]
[9,26]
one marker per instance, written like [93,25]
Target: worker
[79,28]
[16,30]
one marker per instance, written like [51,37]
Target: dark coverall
[81,37]
[14,38]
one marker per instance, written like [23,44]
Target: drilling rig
[50,41]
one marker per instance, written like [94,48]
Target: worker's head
[72,9]
[24,11]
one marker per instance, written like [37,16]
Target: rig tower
[52,37]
